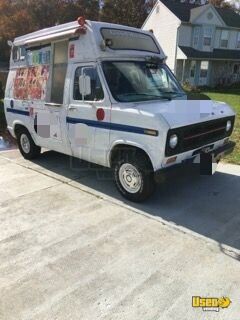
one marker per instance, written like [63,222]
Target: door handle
[72,108]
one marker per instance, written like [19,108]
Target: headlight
[228,126]
[173,141]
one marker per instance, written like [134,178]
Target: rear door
[88,118]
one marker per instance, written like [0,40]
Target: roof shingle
[230,17]
[223,54]
[183,12]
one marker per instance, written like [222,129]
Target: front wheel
[134,177]
[26,145]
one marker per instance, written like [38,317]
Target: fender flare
[127,143]
[21,123]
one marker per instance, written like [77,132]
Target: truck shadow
[208,206]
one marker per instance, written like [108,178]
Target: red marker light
[82,29]
[100,114]
[81,21]
[72,51]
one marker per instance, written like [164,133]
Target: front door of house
[203,73]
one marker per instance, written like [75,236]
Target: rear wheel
[26,145]
[134,176]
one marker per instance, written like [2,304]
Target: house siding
[165,26]
[217,38]
[185,35]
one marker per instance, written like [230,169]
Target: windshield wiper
[175,92]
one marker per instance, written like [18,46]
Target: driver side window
[97,93]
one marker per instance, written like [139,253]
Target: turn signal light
[151,132]
[81,21]
[171,160]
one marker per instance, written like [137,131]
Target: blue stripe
[96,124]
[109,126]
[22,112]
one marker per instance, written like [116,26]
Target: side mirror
[85,85]
[10,43]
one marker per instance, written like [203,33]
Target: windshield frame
[181,92]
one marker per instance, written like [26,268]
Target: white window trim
[207,36]
[221,39]
[238,40]
[206,63]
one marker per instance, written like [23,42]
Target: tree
[18,17]
[43,13]
[128,12]
[220,3]
[73,9]
[46,13]
[14,21]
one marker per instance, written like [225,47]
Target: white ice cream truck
[103,93]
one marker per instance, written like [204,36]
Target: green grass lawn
[231,97]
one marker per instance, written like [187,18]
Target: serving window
[59,70]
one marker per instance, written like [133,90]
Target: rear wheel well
[122,149]
[18,128]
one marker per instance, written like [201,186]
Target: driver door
[88,133]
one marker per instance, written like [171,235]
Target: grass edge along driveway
[232,98]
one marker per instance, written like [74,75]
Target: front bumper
[207,159]
[224,150]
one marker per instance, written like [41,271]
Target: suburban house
[202,42]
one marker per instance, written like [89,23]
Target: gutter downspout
[176,49]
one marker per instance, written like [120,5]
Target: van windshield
[134,81]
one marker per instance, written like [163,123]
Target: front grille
[194,136]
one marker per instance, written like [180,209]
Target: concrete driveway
[72,248]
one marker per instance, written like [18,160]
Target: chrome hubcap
[25,144]
[130,178]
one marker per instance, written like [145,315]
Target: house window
[207,36]
[196,35]
[15,54]
[224,39]
[204,69]
[22,53]
[19,53]
[236,69]
[210,16]
[238,40]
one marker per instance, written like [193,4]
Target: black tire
[34,151]
[141,163]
